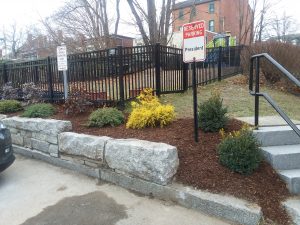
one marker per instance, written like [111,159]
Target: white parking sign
[194,42]
[62,59]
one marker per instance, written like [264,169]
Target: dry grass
[237,98]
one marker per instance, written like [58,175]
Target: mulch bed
[199,166]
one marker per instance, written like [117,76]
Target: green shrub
[106,117]
[212,115]
[239,151]
[41,110]
[9,106]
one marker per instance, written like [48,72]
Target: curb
[225,207]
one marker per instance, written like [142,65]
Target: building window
[211,8]
[181,14]
[193,12]
[211,25]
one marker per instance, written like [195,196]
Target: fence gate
[171,71]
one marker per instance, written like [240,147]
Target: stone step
[284,157]
[292,178]
[293,208]
[277,135]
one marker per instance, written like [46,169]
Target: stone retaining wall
[37,134]
[82,145]
[154,162]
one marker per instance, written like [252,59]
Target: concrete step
[292,178]
[293,208]
[284,157]
[267,121]
[277,135]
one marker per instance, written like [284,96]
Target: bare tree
[12,38]
[254,19]
[81,20]
[134,6]
[192,11]
[152,20]
[118,16]
[153,24]
[262,24]
[263,18]
[281,27]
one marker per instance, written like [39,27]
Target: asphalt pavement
[35,193]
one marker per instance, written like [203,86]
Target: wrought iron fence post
[82,71]
[5,78]
[157,69]
[185,76]
[36,75]
[256,92]
[49,74]
[220,64]
[121,76]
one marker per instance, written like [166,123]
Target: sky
[27,12]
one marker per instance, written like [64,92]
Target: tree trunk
[152,21]
[118,16]
[139,22]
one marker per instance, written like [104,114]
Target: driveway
[35,193]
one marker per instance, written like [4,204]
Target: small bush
[212,115]
[149,112]
[8,92]
[106,117]
[41,110]
[31,93]
[77,102]
[10,106]
[239,151]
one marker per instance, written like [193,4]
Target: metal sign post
[195,102]
[194,50]
[62,65]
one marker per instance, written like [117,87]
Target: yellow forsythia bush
[147,111]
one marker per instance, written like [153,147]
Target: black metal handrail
[258,94]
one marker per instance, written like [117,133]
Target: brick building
[120,40]
[41,46]
[36,47]
[221,16]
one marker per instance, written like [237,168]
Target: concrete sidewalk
[33,192]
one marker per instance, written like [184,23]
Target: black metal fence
[119,74]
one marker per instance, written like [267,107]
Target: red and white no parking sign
[194,46]
[194,50]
